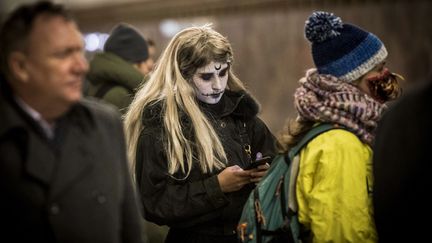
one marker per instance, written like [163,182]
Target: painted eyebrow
[214,72]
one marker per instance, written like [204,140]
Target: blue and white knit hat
[342,50]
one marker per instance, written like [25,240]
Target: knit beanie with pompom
[342,50]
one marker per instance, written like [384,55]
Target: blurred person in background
[402,158]
[191,130]
[347,88]
[116,73]
[63,165]
[152,52]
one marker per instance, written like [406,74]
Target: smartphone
[258,162]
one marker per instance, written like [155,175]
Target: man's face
[54,62]
[146,66]
[210,82]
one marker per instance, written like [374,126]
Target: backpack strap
[290,230]
[287,212]
[293,164]
[258,218]
[311,134]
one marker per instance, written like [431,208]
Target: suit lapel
[41,159]
[76,159]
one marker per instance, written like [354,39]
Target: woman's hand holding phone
[259,168]
[258,162]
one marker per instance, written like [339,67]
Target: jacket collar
[108,67]
[239,104]
[14,117]
[38,157]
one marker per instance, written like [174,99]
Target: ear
[17,65]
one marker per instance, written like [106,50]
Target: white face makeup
[210,82]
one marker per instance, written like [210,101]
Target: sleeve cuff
[214,192]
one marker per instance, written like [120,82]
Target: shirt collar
[35,115]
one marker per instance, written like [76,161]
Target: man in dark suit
[402,162]
[63,168]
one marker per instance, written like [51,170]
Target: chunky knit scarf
[325,98]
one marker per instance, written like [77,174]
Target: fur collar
[239,104]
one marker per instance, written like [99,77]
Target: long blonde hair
[171,85]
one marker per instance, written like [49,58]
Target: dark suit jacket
[75,188]
[402,162]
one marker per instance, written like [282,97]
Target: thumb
[236,168]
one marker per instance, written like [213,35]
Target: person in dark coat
[63,165]
[192,130]
[401,169]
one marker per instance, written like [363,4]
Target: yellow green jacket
[334,188]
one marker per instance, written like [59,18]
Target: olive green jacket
[119,77]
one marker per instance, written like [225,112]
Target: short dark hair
[17,26]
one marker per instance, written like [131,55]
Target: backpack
[270,212]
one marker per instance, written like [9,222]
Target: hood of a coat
[107,67]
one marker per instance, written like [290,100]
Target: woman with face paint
[192,131]
[347,88]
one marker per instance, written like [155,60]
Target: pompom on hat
[126,42]
[342,50]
